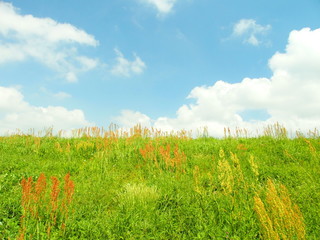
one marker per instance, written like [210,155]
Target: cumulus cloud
[290,97]
[126,68]
[249,30]
[129,118]
[61,95]
[51,43]
[163,6]
[16,113]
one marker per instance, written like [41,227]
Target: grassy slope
[119,194]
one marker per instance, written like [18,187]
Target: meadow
[145,184]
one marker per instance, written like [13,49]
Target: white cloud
[129,118]
[163,6]
[61,95]
[45,40]
[249,30]
[71,77]
[126,68]
[291,96]
[16,113]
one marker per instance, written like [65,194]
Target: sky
[167,64]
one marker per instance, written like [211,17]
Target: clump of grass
[42,209]
[139,192]
[196,175]
[276,131]
[254,166]
[170,159]
[225,176]
[172,162]
[279,218]
[266,224]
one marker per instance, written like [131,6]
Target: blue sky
[170,64]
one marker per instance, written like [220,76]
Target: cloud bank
[130,118]
[53,44]
[290,97]
[16,113]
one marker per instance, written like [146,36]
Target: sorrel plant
[44,209]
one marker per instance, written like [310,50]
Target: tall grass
[279,218]
[42,209]
[146,184]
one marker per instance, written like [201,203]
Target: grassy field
[145,185]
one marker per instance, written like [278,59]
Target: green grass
[202,189]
